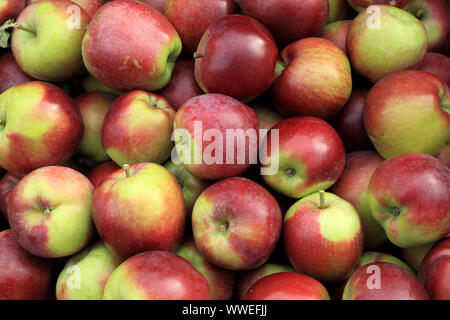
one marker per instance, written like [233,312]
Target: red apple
[10,72]
[7,184]
[101,173]
[23,276]
[313,79]
[289,20]
[287,286]
[359,5]
[444,154]
[10,9]
[157,4]
[236,56]
[438,65]
[90,6]
[236,224]
[337,32]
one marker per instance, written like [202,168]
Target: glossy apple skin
[323,243]
[236,224]
[182,85]
[398,30]
[360,5]
[444,154]
[408,111]
[415,255]
[220,112]
[7,184]
[94,266]
[311,156]
[248,278]
[10,9]
[349,123]
[395,284]
[145,211]
[313,79]
[339,10]
[236,51]
[23,276]
[90,6]
[191,18]
[289,20]
[93,108]
[434,271]
[221,281]
[337,32]
[156,275]
[144,59]
[435,16]
[43,127]
[352,186]
[157,4]
[49,18]
[10,73]
[138,128]
[409,197]
[438,65]
[287,286]
[369,257]
[101,172]
[67,227]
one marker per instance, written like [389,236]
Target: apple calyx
[395,211]
[224,227]
[322,204]
[5,33]
[126,167]
[290,172]
[47,211]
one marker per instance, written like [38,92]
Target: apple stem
[9,25]
[47,211]
[126,167]
[322,199]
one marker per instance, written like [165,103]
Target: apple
[46,40]
[138,209]
[156,275]
[101,173]
[93,108]
[50,212]
[40,126]
[415,255]
[339,10]
[267,114]
[251,54]
[360,5]
[438,65]
[313,79]
[408,111]
[138,128]
[323,237]
[90,84]
[289,20]
[310,156]
[191,18]
[7,184]
[209,116]
[23,276]
[352,186]
[182,85]
[221,281]
[143,59]
[409,197]
[10,9]
[10,73]
[434,271]
[337,33]
[248,278]
[444,154]
[236,224]
[369,257]
[435,16]
[157,4]
[379,27]
[383,281]
[90,6]
[85,274]
[287,286]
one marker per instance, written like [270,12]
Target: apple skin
[10,73]
[415,255]
[287,286]
[438,65]
[10,9]
[90,6]
[435,16]
[7,184]
[409,197]
[50,212]
[337,33]
[90,84]
[93,108]
[236,224]
[313,79]
[311,157]
[221,281]
[101,172]
[218,112]
[156,275]
[140,212]
[444,154]
[191,18]
[55,55]
[23,276]
[360,5]
[352,186]
[349,123]
[267,114]
[339,10]
[289,20]
[395,284]
[408,111]
[182,85]
[43,127]
[93,266]
[369,257]
[248,278]
[138,128]
[144,59]
[434,271]
[157,4]
[401,32]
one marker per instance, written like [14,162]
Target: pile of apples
[351,199]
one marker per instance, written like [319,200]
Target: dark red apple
[10,9]
[157,4]
[10,72]
[438,65]
[337,32]
[7,183]
[101,172]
